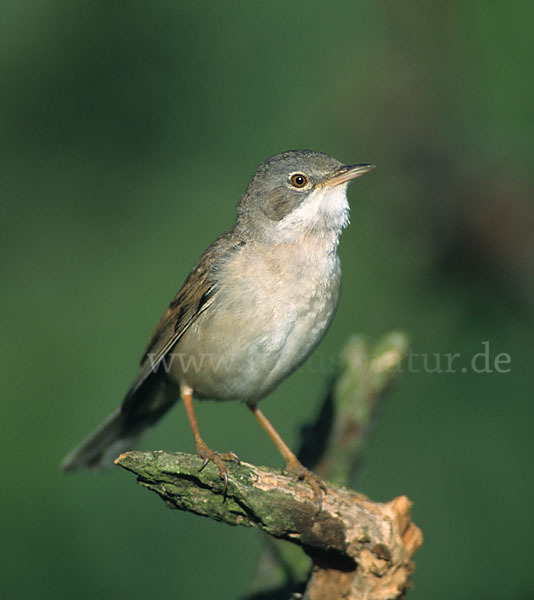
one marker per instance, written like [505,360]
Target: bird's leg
[201,448]
[293,463]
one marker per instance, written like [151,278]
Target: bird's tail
[122,430]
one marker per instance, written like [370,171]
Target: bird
[252,310]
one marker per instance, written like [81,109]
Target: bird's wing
[148,398]
[195,296]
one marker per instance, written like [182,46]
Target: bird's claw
[317,485]
[217,459]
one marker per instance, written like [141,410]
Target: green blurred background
[129,131]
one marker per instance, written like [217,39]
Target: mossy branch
[359,548]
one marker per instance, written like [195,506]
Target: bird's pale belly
[244,351]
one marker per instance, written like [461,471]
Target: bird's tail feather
[122,430]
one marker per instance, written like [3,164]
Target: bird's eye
[299,180]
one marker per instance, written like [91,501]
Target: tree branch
[333,445]
[360,549]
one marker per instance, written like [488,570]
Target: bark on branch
[360,549]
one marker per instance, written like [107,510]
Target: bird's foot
[217,458]
[317,485]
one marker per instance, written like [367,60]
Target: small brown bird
[251,311]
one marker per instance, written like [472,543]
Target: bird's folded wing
[194,297]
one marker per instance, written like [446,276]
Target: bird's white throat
[325,210]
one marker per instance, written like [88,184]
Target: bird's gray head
[296,192]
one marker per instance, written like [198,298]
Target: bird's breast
[272,308]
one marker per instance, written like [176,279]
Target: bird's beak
[346,173]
